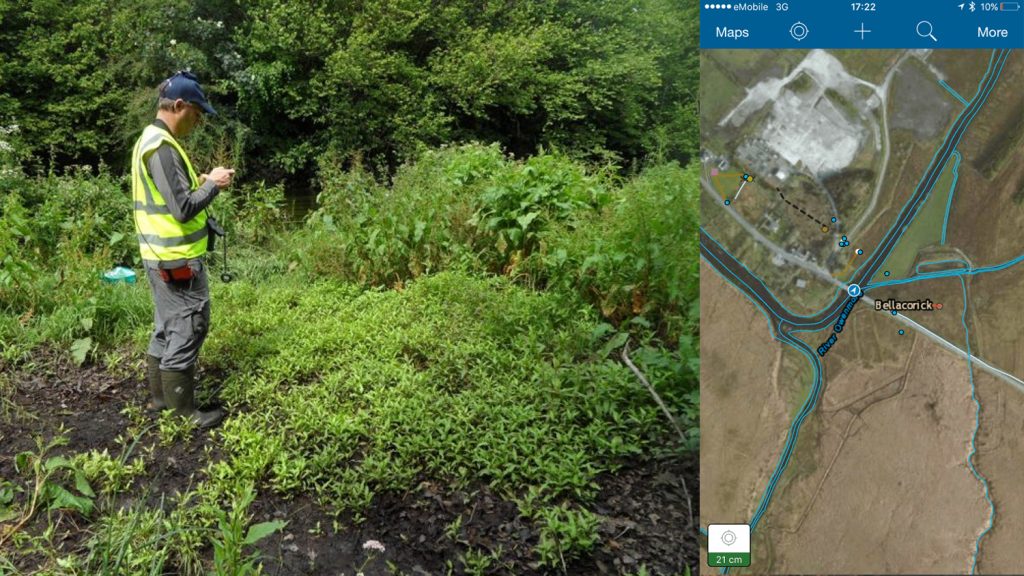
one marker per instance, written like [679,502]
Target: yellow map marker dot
[824,229]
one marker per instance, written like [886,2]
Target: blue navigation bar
[916,24]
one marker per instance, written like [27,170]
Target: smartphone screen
[862,287]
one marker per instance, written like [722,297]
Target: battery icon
[1009,6]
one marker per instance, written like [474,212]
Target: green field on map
[924,232]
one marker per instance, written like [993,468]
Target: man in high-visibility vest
[171,222]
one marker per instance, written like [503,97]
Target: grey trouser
[181,316]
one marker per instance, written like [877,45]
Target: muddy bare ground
[643,509]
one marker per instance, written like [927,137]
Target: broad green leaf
[616,342]
[56,463]
[82,485]
[600,330]
[80,349]
[61,499]
[23,460]
[260,531]
[7,514]
[526,219]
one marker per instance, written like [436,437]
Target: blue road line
[974,436]
[952,190]
[811,400]
[762,307]
[948,273]
[887,248]
[703,531]
[794,430]
[839,291]
[806,409]
[978,93]
[953,92]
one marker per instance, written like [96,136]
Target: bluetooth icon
[971,6]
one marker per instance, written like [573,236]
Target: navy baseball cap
[186,86]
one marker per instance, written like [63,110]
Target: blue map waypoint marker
[727,202]
[833,219]
[853,290]
[901,332]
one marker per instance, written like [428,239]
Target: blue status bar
[838,24]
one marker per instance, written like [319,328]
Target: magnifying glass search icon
[924,30]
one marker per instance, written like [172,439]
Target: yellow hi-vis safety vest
[161,237]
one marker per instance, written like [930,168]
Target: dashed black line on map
[824,227]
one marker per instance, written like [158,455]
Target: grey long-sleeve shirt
[167,168]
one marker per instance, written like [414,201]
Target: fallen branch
[668,414]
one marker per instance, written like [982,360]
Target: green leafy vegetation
[50,483]
[430,380]
[565,534]
[233,536]
[402,333]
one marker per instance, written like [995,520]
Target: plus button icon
[862,31]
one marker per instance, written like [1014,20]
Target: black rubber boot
[179,389]
[156,391]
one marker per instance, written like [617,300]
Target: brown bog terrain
[744,410]
[891,491]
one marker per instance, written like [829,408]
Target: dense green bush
[637,258]
[520,204]
[467,207]
[79,77]
[627,247]
[450,312]
[374,234]
[57,236]
[341,390]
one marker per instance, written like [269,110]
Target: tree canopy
[373,81]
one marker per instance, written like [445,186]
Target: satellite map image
[862,285]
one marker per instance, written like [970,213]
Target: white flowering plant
[10,149]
